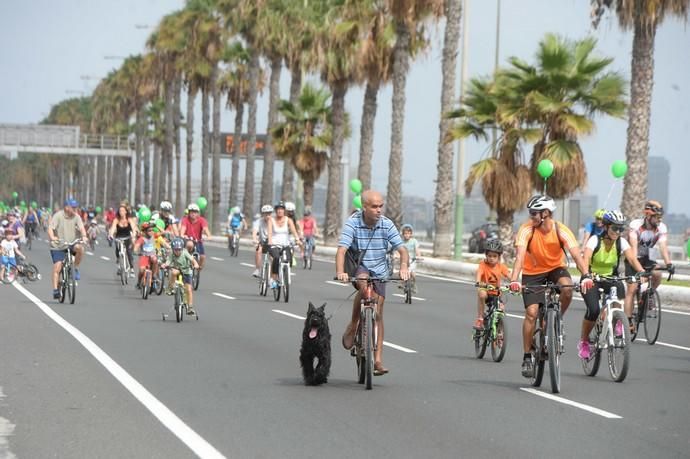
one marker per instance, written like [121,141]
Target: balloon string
[545,185]
[609,195]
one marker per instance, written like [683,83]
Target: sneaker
[255,273]
[56,294]
[618,329]
[478,323]
[168,291]
[583,350]
[190,310]
[274,284]
[527,368]
[77,276]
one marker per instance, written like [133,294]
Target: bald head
[368,195]
[372,207]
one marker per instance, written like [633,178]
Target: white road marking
[217,259]
[565,401]
[6,430]
[227,297]
[385,343]
[248,265]
[414,297]
[339,284]
[89,253]
[177,427]
[676,312]
[105,258]
[660,343]
[457,281]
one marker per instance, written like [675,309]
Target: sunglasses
[534,213]
[618,229]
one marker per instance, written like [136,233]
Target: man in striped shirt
[370,231]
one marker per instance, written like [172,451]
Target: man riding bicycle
[371,232]
[65,226]
[644,234]
[541,244]
[171,222]
[194,227]
[236,223]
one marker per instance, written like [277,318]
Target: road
[106,377]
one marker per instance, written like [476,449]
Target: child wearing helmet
[412,247]
[146,245]
[236,224]
[489,274]
[8,249]
[182,262]
[594,228]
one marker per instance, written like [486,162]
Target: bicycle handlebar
[371,279]
[491,287]
[64,245]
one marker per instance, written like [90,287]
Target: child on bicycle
[489,273]
[8,249]
[181,262]
[146,245]
[92,231]
[412,247]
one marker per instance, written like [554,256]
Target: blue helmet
[71,202]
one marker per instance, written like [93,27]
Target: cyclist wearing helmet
[412,247]
[541,244]
[309,229]
[180,261]
[236,223]
[194,227]
[146,246]
[165,213]
[602,254]
[594,228]
[490,272]
[65,226]
[279,232]
[644,234]
[260,236]
[290,209]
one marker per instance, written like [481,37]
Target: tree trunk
[141,133]
[169,138]
[288,185]
[333,194]
[146,157]
[308,193]
[191,95]
[215,181]
[178,150]
[505,234]
[366,145]
[639,114]
[235,178]
[205,141]
[248,202]
[401,54]
[269,156]
[443,199]
[156,181]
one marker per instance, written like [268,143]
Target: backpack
[618,254]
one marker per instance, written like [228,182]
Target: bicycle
[494,331]
[66,283]
[265,275]
[159,280]
[283,275]
[123,261]
[11,273]
[196,273]
[647,309]
[234,242]
[179,300]
[146,283]
[307,252]
[610,333]
[551,345]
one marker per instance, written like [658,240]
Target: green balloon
[15,194]
[619,168]
[22,203]
[687,248]
[202,202]
[356,186]
[144,214]
[357,201]
[160,224]
[98,209]
[34,204]
[545,168]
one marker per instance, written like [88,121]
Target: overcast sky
[51,47]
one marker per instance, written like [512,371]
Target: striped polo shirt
[384,235]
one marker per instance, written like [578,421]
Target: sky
[51,50]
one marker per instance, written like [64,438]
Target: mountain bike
[179,300]
[265,274]
[307,252]
[494,331]
[123,261]
[610,333]
[66,283]
[234,243]
[548,339]
[647,309]
[283,275]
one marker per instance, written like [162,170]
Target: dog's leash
[341,304]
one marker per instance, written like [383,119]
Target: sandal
[379,370]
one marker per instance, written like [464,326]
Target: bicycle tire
[286,283]
[358,352]
[652,319]
[635,319]
[368,348]
[553,351]
[62,285]
[31,272]
[591,365]
[28,240]
[479,343]
[145,286]
[196,275]
[162,276]
[408,291]
[71,286]
[498,341]
[179,305]
[618,368]
[537,355]
[276,291]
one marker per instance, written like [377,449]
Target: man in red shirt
[193,227]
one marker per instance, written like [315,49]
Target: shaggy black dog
[316,345]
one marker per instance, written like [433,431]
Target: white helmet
[193,208]
[235,210]
[166,206]
[541,202]
[267,209]
[289,206]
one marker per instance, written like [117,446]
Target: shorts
[263,246]
[145,261]
[646,263]
[58,256]
[199,246]
[187,279]
[11,260]
[379,287]
[413,266]
[539,297]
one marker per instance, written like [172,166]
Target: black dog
[316,344]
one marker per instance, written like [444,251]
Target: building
[658,179]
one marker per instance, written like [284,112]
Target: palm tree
[303,138]
[443,200]
[643,16]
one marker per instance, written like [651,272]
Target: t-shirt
[492,274]
[194,230]
[411,246]
[604,261]
[148,245]
[235,220]
[66,229]
[308,224]
[8,247]
[592,228]
[544,253]
[647,238]
[183,262]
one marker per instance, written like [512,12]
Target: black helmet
[279,204]
[493,245]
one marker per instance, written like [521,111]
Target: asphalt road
[107,377]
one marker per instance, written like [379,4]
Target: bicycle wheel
[146,284]
[553,349]
[236,247]
[537,354]
[179,304]
[479,342]
[358,352]
[652,318]
[160,285]
[368,347]
[62,285]
[619,352]
[591,365]
[286,283]
[635,319]
[408,291]
[71,286]
[498,338]
[276,291]
[28,240]
[31,272]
